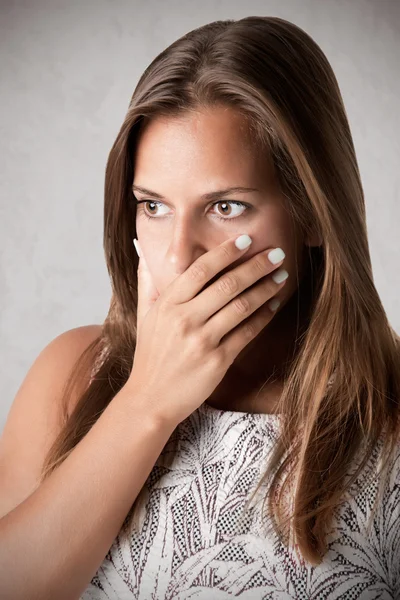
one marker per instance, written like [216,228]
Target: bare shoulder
[33,421]
[57,359]
[75,340]
[70,344]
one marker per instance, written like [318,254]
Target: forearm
[52,544]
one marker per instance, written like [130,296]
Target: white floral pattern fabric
[195,542]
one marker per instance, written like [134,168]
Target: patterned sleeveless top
[195,541]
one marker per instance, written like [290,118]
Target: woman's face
[183,158]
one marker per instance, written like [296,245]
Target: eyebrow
[208,196]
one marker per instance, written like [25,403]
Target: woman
[239,433]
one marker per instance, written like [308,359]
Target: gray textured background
[68,70]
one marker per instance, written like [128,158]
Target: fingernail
[280,275]
[274,304]
[243,241]
[136,244]
[276,255]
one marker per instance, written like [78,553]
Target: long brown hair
[342,388]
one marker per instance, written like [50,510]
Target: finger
[237,339]
[201,271]
[238,280]
[242,308]
[147,291]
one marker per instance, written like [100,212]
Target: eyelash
[246,206]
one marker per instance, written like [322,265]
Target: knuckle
[164,306]
[271,286]
[260,265]
[249,330]
[183,323]
[226,253]
[198,271]
[202,343]
[241,305]
[218,360]
[228,284]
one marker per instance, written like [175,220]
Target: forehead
[212,143]
[217,118]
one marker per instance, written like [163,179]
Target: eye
[225,204]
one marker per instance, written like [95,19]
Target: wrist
[140,407]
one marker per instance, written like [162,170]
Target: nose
[187,244]
[183,262]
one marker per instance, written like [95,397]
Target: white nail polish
[243,241]
[280,275]
[274,304]
[276,255]
[136,244]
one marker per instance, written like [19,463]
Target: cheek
[140,232]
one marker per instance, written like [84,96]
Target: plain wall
[68,70]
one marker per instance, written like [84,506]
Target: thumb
[147,292]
